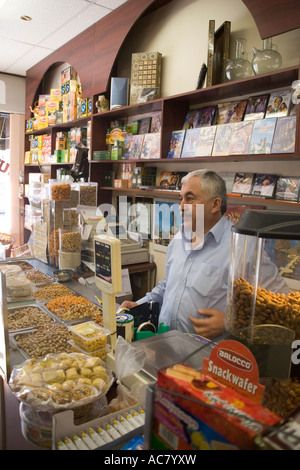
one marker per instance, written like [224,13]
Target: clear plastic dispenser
[263,310]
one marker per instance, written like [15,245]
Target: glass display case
[263,310]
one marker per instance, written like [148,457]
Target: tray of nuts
[72,309]
[52,291]
[28,317]
[38,342]
[37,277]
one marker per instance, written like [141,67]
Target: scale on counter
[95,224]
[108,278]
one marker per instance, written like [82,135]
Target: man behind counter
[193,294]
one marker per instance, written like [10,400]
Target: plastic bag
[60,381]
[128,361]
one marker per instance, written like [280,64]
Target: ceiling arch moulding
[273,17]
[93,52]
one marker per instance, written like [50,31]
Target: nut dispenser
[263,304]
[69,253]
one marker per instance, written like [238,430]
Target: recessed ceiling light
[26,18]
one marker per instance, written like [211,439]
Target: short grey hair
[211,183]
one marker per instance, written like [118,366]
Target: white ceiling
[54,22]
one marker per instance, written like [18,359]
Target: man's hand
[128,304]
[211,326]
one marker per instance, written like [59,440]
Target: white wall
[12,94]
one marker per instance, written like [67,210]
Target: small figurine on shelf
[102,104]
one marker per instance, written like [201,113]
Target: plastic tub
[89,336]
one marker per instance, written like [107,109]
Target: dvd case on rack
[155,125]
[262,136]
[256,107]
[279,104]
[206,116]
[190,144]
[287,189]
[206,141]
[230,112]
[135,147]
[240,138]
[222,140]
[176,143]
[199,117]
[151,146]
[191,119]
[242,183]
[264,185]
[284,135]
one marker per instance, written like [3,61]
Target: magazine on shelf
[176,143]
[190,143]
[264,185]
[151,146]
[136,146]
[240,138]
[262,136]
[222,140]
[230,112]
[256,107]
[155,122]
[287,188]
[279,104]
[206,141]
[242,183]
[284,135]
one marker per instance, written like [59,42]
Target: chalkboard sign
[108,264]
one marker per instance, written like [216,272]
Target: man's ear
[216,205]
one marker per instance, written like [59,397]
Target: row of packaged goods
[65,146]
[63,104]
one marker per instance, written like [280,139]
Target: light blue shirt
[196,278]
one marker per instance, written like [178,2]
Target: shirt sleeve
[156,295]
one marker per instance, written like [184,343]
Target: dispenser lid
[269,224]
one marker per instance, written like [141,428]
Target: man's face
[191,196]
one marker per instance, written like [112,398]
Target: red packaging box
[192,411]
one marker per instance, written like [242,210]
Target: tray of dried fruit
[71,309]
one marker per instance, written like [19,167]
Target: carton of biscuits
[192,411]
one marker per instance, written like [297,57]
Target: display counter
[161,350]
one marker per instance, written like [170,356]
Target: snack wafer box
[193,411]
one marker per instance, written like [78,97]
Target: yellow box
[55,94]
[42,122]
[27,157]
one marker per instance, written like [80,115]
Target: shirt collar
[216,231]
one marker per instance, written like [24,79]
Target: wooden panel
[93,52]
[274,17]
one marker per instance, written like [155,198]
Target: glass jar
[267,59]
[239,67]
[263,311]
